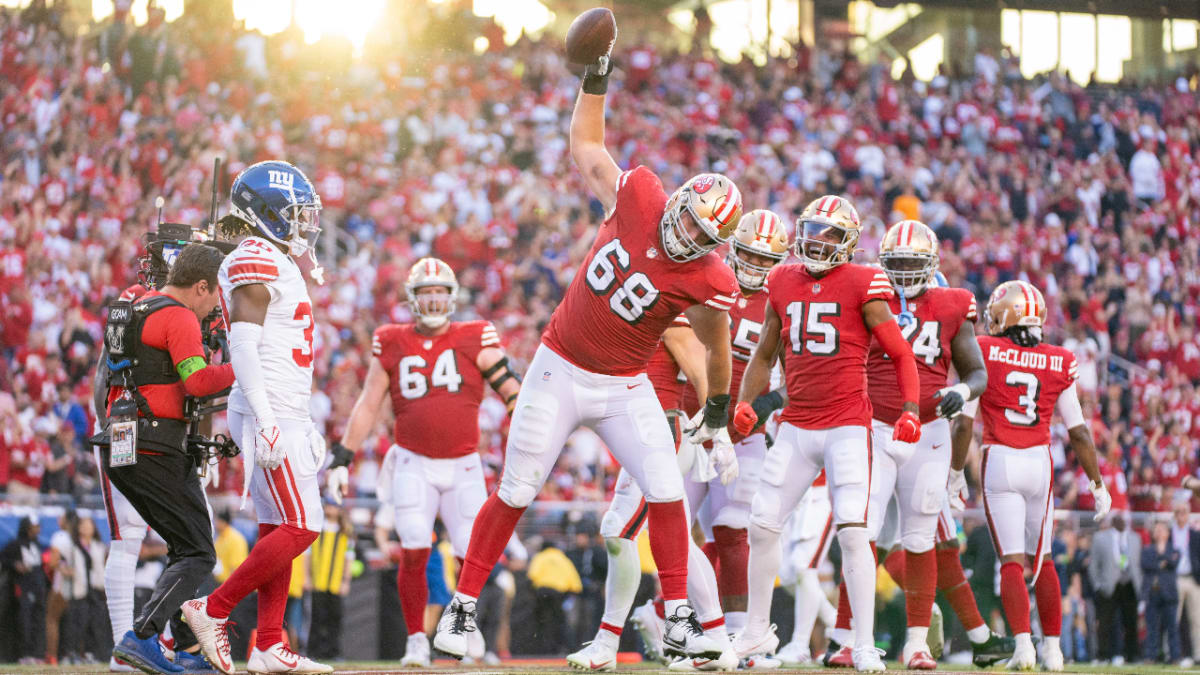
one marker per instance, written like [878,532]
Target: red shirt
[826,341]
[627,292]
[177,330]
[1024,384]
[435,384]
[940,312]
[664,373]
[745,327]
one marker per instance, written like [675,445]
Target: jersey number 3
[1028,415]
[445,375]
[304,356]
[633,296]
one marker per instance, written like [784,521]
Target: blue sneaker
[195,663]
[145,655]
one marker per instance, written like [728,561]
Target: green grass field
[381,667]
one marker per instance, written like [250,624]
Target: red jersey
[664,373]
[939,313]
[435,384]
[826,341]
[745,327]
[1024,384]
[627,292]
[176,330]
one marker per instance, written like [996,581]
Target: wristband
[595,77]
[766,404]
[342,456]
[716,411]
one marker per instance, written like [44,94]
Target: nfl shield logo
[546,376]
[429,344]
[816,288]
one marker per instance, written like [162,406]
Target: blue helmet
[279,201]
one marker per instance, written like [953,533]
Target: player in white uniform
[267,307]
[809,535]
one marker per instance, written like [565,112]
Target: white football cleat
[651,629]
[1024,656]
[457,622]
[794,653]
[416,652]
[210,634]
[727,662]
[279,659]
[1052,656]
[866,659]
[747,644]
[595,656]
[684,636]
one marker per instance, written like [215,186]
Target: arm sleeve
[895,346]
[1068,406]
[243,353]
[182,332]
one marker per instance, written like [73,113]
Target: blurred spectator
[58,566]
[1160,594]
[556,581]
[22,560]
[86,633]
[331,555]
[1116,574]
[1186,540]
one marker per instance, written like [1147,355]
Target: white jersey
[286,350]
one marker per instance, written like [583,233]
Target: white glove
[697,431]
[268,445]
[724,458]
[316,445]
[702,462]
[336,481]
[956,487]
[1103,499]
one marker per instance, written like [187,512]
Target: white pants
[793,463]
[124,522]
[424,488]
[556,398]
[914,474]
[1016,498]
[809,534]
[290,493]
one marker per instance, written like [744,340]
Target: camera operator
[156,360]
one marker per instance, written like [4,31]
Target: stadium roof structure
[1163,9]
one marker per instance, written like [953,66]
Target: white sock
[808,605]
[1023,640]
[621,584]
[858,569]
[669,606]
[463,597]
[1051,642]
[918,638]
[735,621]
[979,634]
[607,638]
[765,557]
[119,571]
[702,585]
[842,636]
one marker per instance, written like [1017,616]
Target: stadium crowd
[1091,193]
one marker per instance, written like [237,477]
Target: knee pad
[613,523]
[734,515]
[758,535]
[413,529]
[850,504]
[764,511]
[526,463]
[917,542]
[661,481]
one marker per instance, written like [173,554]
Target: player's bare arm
[249,303]
[961,431]
[689,353]
[367,407]
[968,363]
[599,170]
[711,328]
[493,364]
[1080,438]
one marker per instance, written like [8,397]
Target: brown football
[591,35]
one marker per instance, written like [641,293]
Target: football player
[821,315]
[939,322]
[679,354]
[434,370]
[267,308]
[652,260]
[1028,380]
